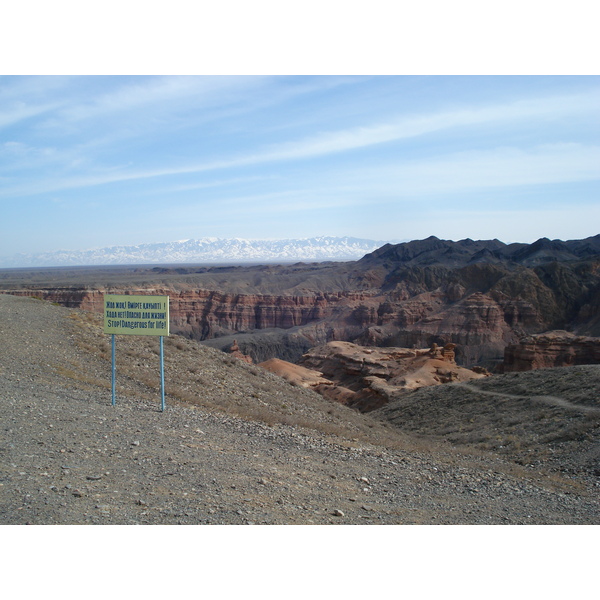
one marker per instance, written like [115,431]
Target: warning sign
[136,315]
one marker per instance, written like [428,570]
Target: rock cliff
[551,349]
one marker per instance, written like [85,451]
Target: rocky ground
[235,445]
[547,419]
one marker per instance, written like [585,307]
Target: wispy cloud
[395,130]
[163,93]
[417,125]
[497,167]
[154,99]
[501,166]
[19,112]
[400,183]
[93,119]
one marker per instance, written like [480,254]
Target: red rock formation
[204,314]
[368,378]
[479,324]
[234,350]
[551,349]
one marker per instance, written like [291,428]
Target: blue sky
[93,161]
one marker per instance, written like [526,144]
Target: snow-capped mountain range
[205,250]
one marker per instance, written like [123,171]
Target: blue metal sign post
[162,376]
[114,371]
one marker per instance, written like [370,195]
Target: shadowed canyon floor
[239,445]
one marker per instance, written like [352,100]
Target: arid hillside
[239,445]
[546,417]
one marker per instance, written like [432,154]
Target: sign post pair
[137,315]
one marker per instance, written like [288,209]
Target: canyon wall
[209,315]
[551,349]
[266,326]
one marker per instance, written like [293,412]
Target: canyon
[482,296]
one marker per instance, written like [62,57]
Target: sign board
[136,315]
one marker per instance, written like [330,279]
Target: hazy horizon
[209,252]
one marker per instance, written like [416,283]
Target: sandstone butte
[368,378]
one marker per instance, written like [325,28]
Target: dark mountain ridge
[434,251]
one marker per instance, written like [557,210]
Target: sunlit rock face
[368,378]
[551,349]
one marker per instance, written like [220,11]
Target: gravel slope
[68,457]
[548,418]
